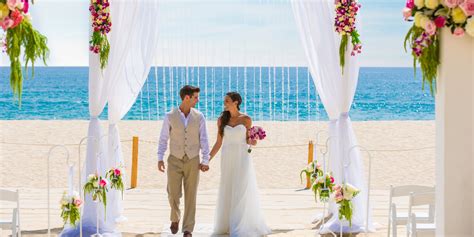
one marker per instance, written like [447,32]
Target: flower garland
[70,205]
[429,16]
[101,25]
[345,24]
[16,22]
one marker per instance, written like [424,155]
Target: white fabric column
[455,137]
[97,101]
[133,41]
[315,22]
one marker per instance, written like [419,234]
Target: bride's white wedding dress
[238,210]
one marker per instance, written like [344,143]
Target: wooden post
[310,159]
[133,183]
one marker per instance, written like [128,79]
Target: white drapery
[133,40]
[315,22]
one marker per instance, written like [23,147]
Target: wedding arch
[120,61]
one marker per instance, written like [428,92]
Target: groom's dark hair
[188,90]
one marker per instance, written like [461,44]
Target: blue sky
[224,32]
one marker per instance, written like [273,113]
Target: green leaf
[35,47]
[342,51]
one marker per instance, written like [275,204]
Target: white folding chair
[414,228]
[396,217]
[14,223]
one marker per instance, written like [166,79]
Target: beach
[402,153]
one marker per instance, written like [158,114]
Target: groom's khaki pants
[183,171]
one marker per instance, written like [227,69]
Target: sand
[402,153]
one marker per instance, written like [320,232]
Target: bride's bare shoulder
[246,120]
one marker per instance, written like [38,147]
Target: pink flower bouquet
[70,205]
[343,196]
[256,133]
[345,25]
[323,185]
[97,187]
[21,38]
[101,25]
[116,180]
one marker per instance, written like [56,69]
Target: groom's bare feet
[187,234]
[174,227]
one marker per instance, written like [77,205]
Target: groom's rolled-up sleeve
[163,140]
[204,140]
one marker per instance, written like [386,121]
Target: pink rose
[440,21]
[17,18]
[117,172]
[459,32]
[26,6]
[103,183]
[467,7]
[452,3]
[332,180]
[12,4]
[78,202]
[406,13]
[410,4]
[7,23]
[430,28]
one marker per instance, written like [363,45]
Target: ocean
[269,93]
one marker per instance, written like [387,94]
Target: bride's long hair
[225,115]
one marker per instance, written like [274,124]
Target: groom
[185,127]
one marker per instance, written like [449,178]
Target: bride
[238,210]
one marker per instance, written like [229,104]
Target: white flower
[432,4]
[348,188]
[418,17]
[419,3]
[470,26]
[348,196]
[91,177]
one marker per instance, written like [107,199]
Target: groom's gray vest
[184,140]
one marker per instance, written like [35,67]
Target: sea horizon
[269,93]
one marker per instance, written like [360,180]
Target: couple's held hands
[203,167]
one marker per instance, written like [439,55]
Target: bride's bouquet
[70,205]
[256,133]
[343,196]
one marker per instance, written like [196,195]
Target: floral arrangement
[429,16]
[256,133]
[97,187]
[101,25]
[343,196]
[345,24]
[16,22]
[115,177]
[323,185]
[312,170]
[70,205]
